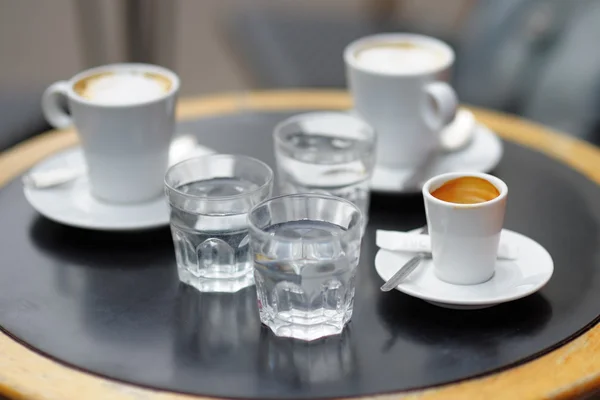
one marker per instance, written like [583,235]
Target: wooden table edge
[567,371]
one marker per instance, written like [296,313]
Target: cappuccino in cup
[124,87]
[397,84]
[124,115]
[401,57]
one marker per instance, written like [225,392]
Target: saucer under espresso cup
[124,115]
[465,213]
[398,86]
[512,280]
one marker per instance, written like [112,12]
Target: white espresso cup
[464,237]
[124,115]
[397,84]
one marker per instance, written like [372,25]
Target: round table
[568,371]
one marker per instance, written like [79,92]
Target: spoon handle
[402,273]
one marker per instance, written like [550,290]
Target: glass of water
[326,152]
[210,198]
[306,249]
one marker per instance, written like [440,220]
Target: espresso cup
[124,115]
[397,84]
[464,237]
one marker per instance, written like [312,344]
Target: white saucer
[482,154]
[512,280]
[72,203]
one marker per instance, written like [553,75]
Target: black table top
[111,303]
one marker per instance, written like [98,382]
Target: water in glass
[210,232]
[212,246]
[305,274]
[348,179]
[329,153]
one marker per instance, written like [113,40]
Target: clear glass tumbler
[326,152]
[210,198]
[306,249]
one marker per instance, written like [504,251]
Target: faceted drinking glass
[326,152]
[210,198]
[306,249]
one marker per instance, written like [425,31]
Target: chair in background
[291,48]
[534,58]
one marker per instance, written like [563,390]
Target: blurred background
[535,58]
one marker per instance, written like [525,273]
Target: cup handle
[440,105]
[53,112]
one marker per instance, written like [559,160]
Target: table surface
[570,370]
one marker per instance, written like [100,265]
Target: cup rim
[259,231]
[127,67]
[267,183]
[350,50]
[497,182]
[372,137]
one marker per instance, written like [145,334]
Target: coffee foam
[399,58]
[123,88]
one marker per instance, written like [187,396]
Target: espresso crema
[466,190]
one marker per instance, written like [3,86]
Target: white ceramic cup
[126,146]
[408,109]
[464,237]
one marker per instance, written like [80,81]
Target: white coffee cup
[124,115]
[397,83]
[464,237]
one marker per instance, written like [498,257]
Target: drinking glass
[326,152]
[210,198]
[306,249]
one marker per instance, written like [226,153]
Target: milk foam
[399,58]
[123,88]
